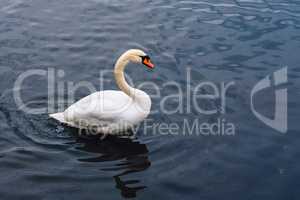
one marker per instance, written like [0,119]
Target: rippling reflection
[132,156]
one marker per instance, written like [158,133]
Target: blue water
[219,41]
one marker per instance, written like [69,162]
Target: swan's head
[138,56]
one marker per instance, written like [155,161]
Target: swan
[111,111]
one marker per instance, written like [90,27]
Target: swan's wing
[99,107]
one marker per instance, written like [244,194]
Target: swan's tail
[58,116]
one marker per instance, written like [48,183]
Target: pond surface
[223,41]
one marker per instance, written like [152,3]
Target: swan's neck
[120,77]
[137,95]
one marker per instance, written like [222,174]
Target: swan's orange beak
[148,63]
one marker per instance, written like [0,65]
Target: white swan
[111,111]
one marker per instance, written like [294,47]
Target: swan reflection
[131,154]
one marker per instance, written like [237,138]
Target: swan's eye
[147,61]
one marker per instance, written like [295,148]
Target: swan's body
[111,111]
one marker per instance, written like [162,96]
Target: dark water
[220,41]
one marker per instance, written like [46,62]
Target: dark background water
[221,41]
